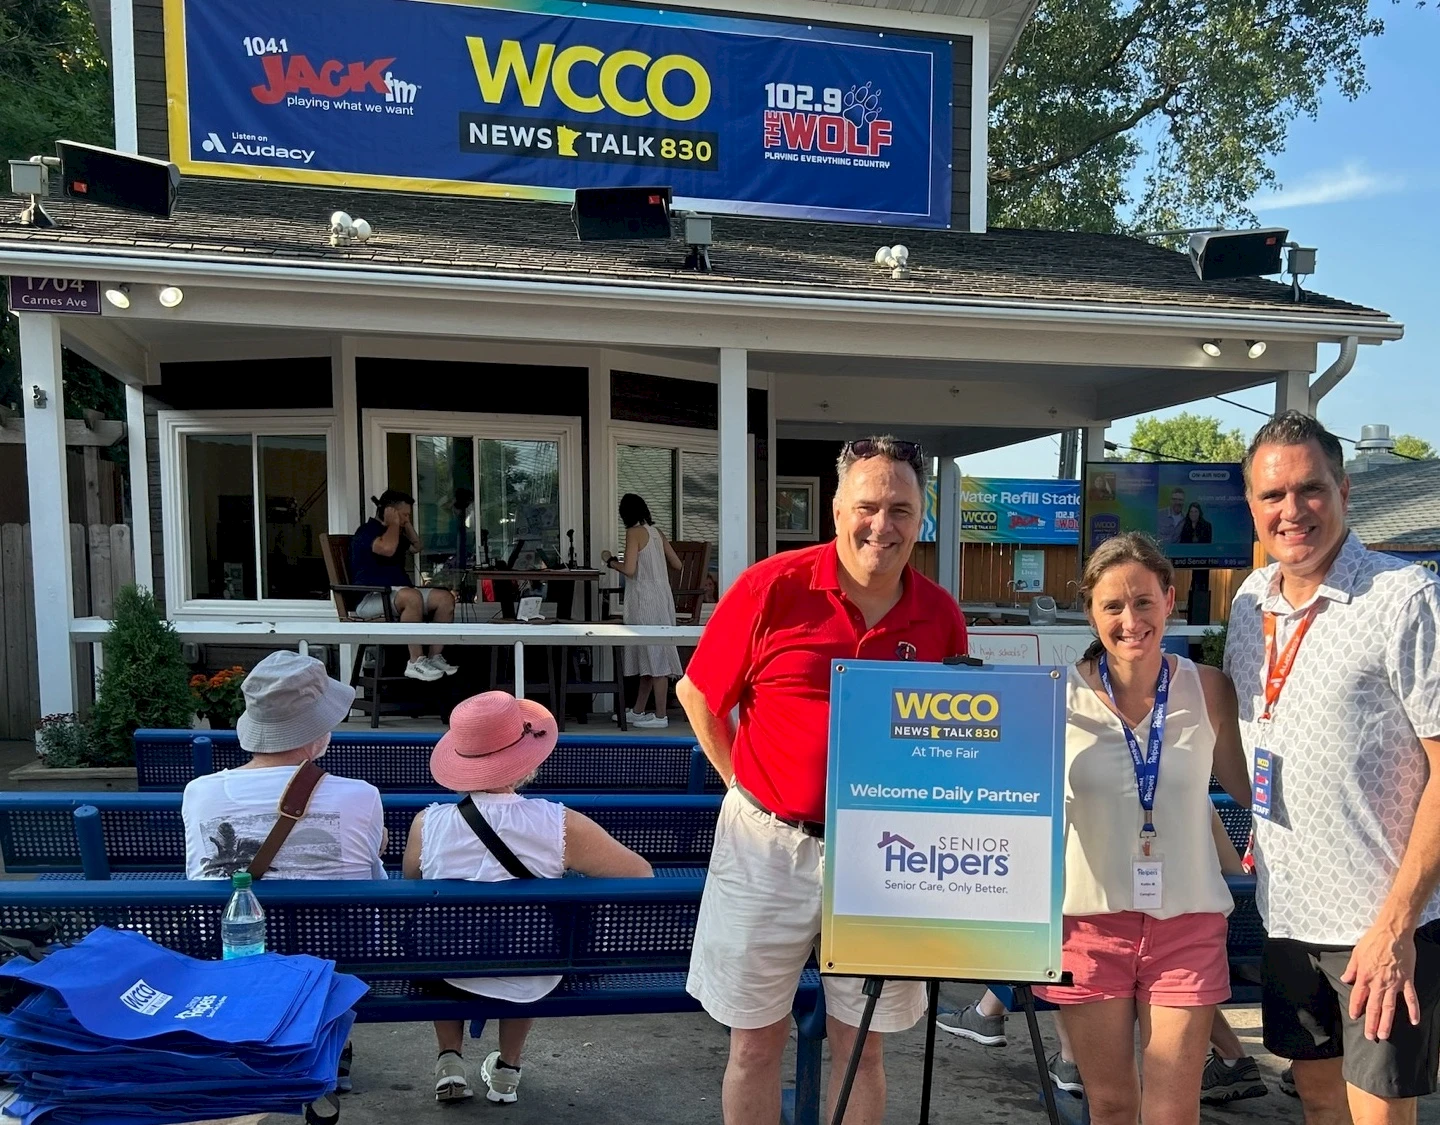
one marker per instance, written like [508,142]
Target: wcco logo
[961,716]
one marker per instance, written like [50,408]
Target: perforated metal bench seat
[144,832]
[400,763]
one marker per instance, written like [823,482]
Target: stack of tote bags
[117,1028]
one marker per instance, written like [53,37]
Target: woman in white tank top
[495,744]
[1145,902]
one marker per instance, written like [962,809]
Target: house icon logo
[889,838]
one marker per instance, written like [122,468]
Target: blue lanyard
[1147,766]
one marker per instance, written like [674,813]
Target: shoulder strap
[294,803]
[491,839]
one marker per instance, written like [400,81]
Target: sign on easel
[944,843]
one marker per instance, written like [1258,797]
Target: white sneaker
[451,1085]
[501,1080]
[633,717]
[650,722]
[422,669]
[441,665]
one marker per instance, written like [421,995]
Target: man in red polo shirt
[768,650]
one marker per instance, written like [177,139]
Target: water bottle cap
[240,880]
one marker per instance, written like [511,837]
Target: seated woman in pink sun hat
[494,746]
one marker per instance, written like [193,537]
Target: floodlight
[621,212]
[118,295]
[171,296]
[1211,348]
[118,179]
[340,222]
[1255,348]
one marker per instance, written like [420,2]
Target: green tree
[1185,437]
[1160,113]
[1408,445]
[54,84]
[146,682]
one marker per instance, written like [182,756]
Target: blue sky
[1361,183]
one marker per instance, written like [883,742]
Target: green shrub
[63,741]
[1212,646]
[145,682]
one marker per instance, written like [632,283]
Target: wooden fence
[102,560]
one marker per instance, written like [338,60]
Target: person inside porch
[649,600]
[378,553]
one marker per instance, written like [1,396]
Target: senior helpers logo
[957,716]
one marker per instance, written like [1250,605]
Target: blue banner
[1430,560]
[944,843]
[534,98]
[1007,510]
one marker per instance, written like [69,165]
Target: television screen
[1196,512]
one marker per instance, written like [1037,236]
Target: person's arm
[1230,861]
[410,865]
[387,543]
[590,850]
[1229,763]
[1382,965]
[412,537]
[712,731]
[634,540]
[670,556]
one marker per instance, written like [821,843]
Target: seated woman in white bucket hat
[494,746]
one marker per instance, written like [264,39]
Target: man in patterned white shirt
[1333,651]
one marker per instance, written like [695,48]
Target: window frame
[175,426]
[563,429]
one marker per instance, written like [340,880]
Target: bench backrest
[397,929]
[400,763]
[144,832]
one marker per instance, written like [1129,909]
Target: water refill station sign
[944,822]
[530,99]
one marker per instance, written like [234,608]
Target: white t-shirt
[533,829]
[1364,689]
[227,816]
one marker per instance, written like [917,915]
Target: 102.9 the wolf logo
[840,123]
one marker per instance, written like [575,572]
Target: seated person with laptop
[378,553]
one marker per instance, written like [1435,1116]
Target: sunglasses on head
[908,451]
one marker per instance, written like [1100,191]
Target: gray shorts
[371,607]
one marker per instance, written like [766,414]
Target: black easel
[873,986]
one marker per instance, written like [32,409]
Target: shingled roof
[236,220]
[1397,506]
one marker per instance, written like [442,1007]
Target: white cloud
[1335,185]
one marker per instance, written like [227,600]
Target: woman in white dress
[648,601]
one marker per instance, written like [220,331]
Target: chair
[347,595]
[689,582]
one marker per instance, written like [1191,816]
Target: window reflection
[220,485]
[292,480]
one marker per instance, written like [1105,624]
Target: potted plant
[218,697]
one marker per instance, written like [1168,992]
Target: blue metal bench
[400,763]
[40,832]
[622,945]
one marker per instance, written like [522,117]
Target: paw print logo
[860,107]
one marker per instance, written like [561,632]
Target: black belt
[814,828]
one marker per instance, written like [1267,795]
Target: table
[567,575]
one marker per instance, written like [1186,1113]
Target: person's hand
[392,517]
[1382,971]
[605,557]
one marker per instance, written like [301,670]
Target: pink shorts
[1173,963]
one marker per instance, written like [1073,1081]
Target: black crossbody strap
[491,839]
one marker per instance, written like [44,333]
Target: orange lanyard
[1278,671]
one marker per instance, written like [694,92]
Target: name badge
[1148,877]
[1262,786]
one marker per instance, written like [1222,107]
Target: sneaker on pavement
[451,1085]
[1287,1082]
[422,669]
[440,664]
[1224,1081]
[1065,1074]
[968,1023]
[651,722]
[502,1081]
[633,717]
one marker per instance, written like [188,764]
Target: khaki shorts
[760,921]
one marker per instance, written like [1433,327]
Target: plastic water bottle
[242,929]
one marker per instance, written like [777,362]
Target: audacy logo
[961,855]
[253,147]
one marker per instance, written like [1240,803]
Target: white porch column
[137,449]
[345,497]
[947,526]
[602,503]
[40,379]
[774,456]
[734,478]
[1094,449]
[1292,392]
[122,71]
